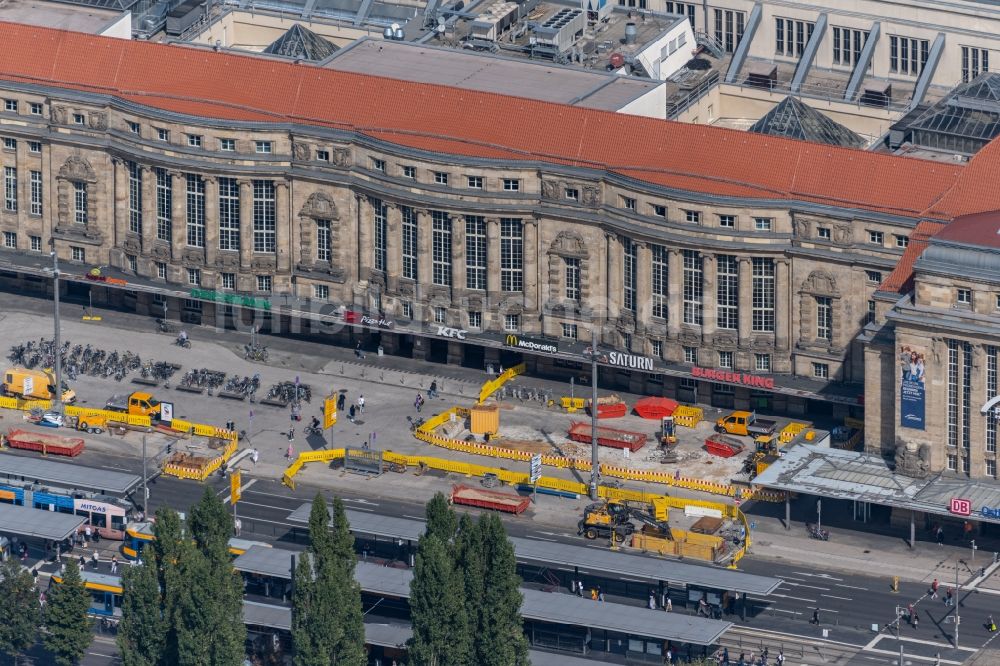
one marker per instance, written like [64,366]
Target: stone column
[365,246]
[532,297]
[120,211]
[675,305]
[394,247]
[282,220]
[246,223]
[178,218]
[493,259]
[746,302]
[710,311]
[424,239]
[643,286]
[458,284]
[211,220]
[148,208]
[783,305]
[613,272]
[977,422]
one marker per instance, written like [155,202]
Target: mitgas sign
[629,361]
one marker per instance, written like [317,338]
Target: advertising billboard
[912,396]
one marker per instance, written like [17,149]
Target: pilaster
[783,306]
[532,298]
[282,220]
[246,223]
[710,311]
[675,278]
[211,219]
[746,302]
[644,286]
[394,247]
[178,219]
[457,259]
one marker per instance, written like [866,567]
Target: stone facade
[535,225]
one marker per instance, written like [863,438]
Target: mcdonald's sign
[529,344]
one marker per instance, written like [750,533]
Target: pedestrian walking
[418,402]
[288,453]
[669,606]
[254,456]
[357,350]
[86,533]
[600,593]
[991,626]
[780,659]
[96,558]
[949,597]
[350,414]
[940,535]
[361,404]
[652,601]
[114,564]
[433,391]
[237,526]
[916,620]
[815,617]
[291,434]
[743,659]
[341,399]
[725,656]
[579,588]
[934,588]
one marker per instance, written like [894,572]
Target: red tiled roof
[982,229]
[449,120]
[900,280]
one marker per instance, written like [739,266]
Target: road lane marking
[415,517]
[917,657]
[785,596]
[851,587]
[780,610]
[920,641]
[814,587]
[830,596]
[816,575]
[532,536]
[249,483]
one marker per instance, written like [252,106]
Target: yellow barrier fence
[490,387]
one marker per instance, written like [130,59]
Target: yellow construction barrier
[791,431]
[571,405]
[688,416]
[490,387]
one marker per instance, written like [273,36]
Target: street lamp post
[595,465]
[57,400]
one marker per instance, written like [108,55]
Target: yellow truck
[745,423]
[139,403]
[34,385]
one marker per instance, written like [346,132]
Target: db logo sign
[960,507]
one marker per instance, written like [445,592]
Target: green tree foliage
[19,608]
[68,629]
[320,539]
[313,630]
[441,634]
[349,650]
[211,524]
[142,630]
[500,639]
[469,562]
[166,556]
[441,519]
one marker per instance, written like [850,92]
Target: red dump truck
[613,437]
[489,499]
[37,441]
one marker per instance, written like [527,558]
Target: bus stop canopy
[23,521]
[583,558]
[68,476]
[264,561]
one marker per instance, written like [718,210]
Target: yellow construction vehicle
[668,431]
[767,444]
[618,517]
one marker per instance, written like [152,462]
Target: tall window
[195,210]
[440,248]
[907,55]
[992,389]
[953,393]
[966,399]
[409,218]
[847,45]
[10,189]
[824,318]
[791,36]
[80,203]
[36,192]
[323,240]
[628,274]
[229,214]
[379,232]
[693,286]
[763,294]
[164,204]
[511,254]
[475,252]
[728,291]
[729,28]
[134,197]
[264,217]
[974,62]
[661,262]
[572,278]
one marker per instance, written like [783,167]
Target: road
[849,603]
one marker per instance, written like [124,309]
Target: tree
[19,608]
[167,552]
[441,519]
[469,561]
[211,523]
[321,542]
[500,640]
[68,629]
[441,634]
[349,650]
[143,628]
[313,629]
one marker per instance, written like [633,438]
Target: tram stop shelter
[17,470]
[28,523]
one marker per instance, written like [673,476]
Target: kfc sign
[447,332]
[960,507]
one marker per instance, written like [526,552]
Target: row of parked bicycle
[245,387]
[86,360]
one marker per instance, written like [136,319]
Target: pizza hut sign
[960,507]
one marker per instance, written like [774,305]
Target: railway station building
[459,226]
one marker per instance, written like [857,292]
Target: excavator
[619,517]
